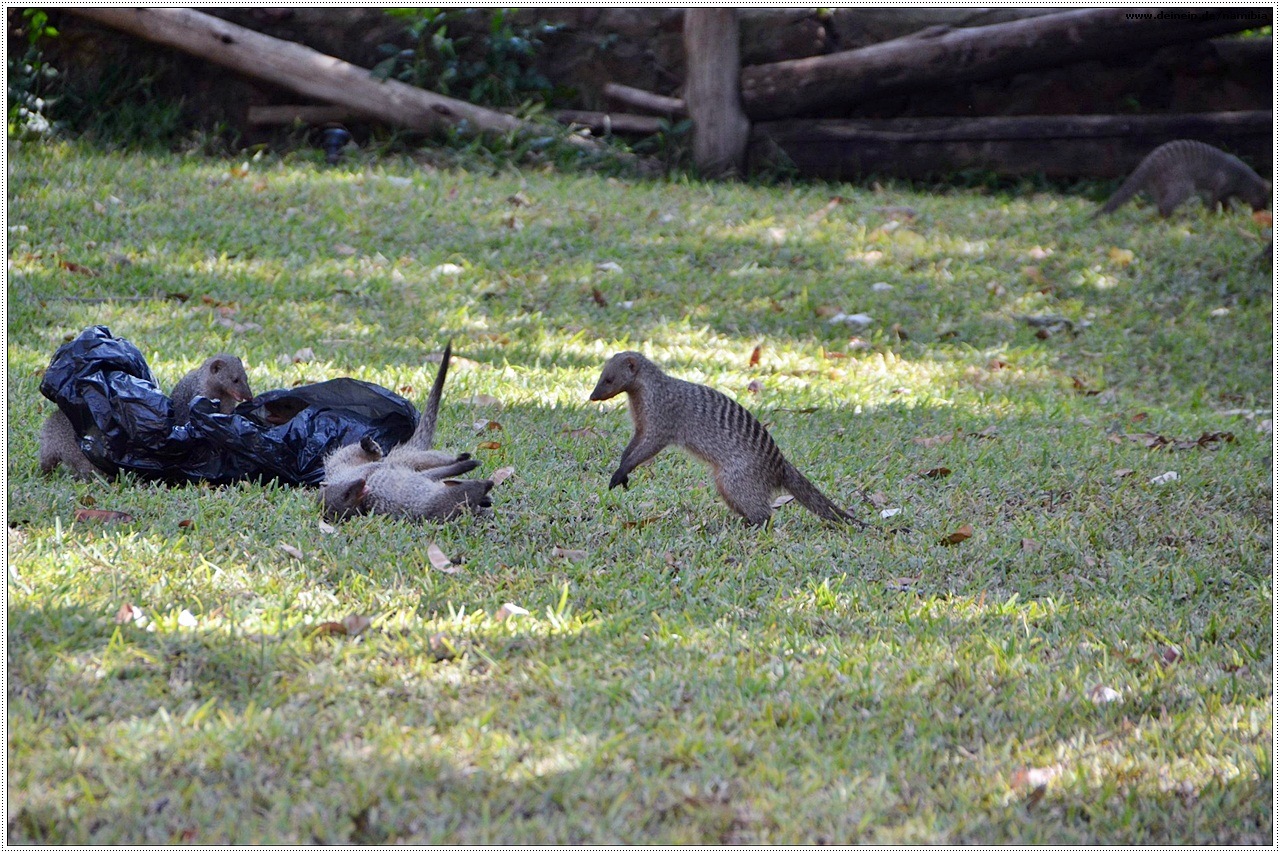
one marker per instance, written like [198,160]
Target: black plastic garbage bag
[104,386]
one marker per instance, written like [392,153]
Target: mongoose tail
[425,433]
[807,493]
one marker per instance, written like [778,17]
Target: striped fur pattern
[749,468]
[1176,170]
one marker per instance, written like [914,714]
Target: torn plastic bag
[104,386]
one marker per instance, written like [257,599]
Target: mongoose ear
[217,365]
[632,364]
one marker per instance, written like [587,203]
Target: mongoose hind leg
[746,493]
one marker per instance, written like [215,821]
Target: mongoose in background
[749,468]
[1173,172]
[221,377]
[412,481]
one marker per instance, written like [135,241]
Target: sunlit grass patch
[1031,643]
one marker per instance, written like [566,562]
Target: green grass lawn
[679,678]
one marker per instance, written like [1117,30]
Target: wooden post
[720,128]
[945,57]
[298,67]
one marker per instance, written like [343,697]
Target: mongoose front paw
[618,479]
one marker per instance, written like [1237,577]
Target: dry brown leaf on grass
[582,432]
[79,269]
[489,445]
[501,474]
[755,357]
[957,536]
[1033,781]
[352,626]
[598,297]
[754,386]
[509,611]
[934,440]
[1077,385]
[568,553]
[482,400]
[484,425]
[1030,545]
[290,550]
[1120,257]
[439,560]
[442,647]
[127,613]
[936,473]
[644,522]
[104,515]
[1206,440]
[1100,694]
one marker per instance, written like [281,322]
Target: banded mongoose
[1175,171]
[59,444]
[221,377]
[363,482]
[412,481]
[748,466]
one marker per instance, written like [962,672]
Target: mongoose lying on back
[412,481]
[359,480]
[220,378]
[1175,171]
[749,468]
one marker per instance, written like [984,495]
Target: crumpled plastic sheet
[104,386]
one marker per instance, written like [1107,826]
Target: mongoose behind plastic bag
[125,422]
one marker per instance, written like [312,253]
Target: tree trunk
[1055,146]
[711,96]
[299,68]
[800,86]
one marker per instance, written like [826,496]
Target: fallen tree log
[301,69]
[654,103]
[317,114]
[801,86]
[309,114]
[1054,146]
[607,123]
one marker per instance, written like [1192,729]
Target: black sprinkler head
[333,140]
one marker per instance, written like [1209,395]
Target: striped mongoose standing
[749,468]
